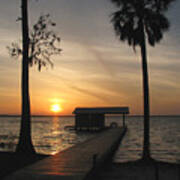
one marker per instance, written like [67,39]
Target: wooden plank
[74,163]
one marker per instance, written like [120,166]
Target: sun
[56,108]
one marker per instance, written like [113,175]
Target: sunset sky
[94,68]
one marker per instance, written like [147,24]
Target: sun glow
[56,108]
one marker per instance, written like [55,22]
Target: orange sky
[94,69]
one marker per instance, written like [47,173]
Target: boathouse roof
[101,110]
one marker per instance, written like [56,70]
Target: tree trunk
[25,143]
[146,145]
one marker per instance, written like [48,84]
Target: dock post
[124,124]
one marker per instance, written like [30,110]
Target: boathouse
[94,118]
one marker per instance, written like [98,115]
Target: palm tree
[138,21]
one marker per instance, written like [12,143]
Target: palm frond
[126,20]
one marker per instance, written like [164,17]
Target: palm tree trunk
[146,144]
[25,143]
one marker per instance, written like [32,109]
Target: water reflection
[50,137]
[164,139]
[55,125]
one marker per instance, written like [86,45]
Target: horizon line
[72,115]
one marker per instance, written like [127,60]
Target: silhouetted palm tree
[136,21]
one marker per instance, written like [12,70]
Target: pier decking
[75,163]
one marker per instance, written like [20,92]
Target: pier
[76,163]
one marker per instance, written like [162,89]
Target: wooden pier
[75,163]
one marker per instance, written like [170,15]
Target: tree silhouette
[136,21]
[37,48]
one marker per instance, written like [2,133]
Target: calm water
[50,136]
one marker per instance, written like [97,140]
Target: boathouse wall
[89,121]
[94,118]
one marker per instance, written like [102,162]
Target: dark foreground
[140,170]
[11,162]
